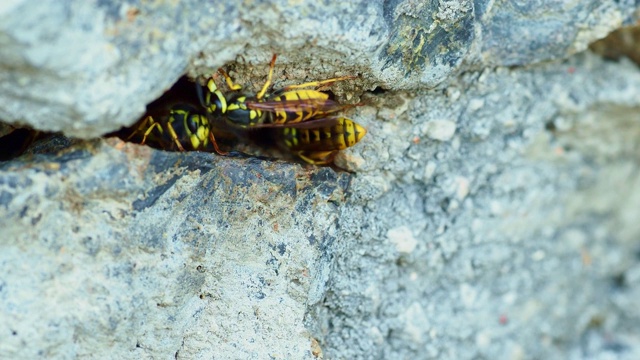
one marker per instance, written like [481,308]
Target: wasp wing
[302,105]
[314,123]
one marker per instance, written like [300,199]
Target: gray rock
[491,217]
[524,233]
[116,250]
[88,68]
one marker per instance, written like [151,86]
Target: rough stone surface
[116,250]
[620,43]
[525,222]
[87,68]
[494,216]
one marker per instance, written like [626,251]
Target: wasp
[318,141]
[174,122]
[182,129]
[303,120]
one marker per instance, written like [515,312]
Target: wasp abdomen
[282,115]
[343,134]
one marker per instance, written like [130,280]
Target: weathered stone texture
[490,212]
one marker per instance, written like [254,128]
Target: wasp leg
[152,125]
[140,127]
[318,157]
[215,145]
[260,95]
[233,86]
[174,136]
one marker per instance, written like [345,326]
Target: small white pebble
[441,130]
[403,239]
[476,104]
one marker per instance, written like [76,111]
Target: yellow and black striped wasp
[183,128]
[302,119]
[174,122]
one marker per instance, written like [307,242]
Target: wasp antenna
[260,95]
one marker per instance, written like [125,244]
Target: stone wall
[490,212]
